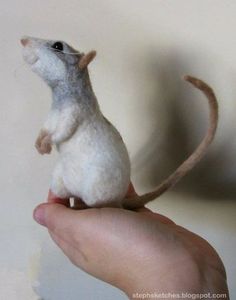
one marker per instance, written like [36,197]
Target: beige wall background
[144,47]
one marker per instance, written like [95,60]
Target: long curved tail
[139,201]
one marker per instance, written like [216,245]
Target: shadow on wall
[184,106]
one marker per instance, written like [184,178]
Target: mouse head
[55,61]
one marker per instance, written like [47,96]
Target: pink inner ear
[86,59]
[24,41]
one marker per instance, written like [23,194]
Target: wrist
[154,276]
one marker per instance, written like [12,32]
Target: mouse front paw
[44,143]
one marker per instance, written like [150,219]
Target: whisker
[25,64]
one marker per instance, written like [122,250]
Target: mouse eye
[58,46]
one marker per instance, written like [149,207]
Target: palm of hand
[135,251]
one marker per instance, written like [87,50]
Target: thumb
[53,215]
[67,228]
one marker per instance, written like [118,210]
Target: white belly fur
[93,165]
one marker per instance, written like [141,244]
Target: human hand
[138,252]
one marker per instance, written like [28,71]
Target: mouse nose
[24,41]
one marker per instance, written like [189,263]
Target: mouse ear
[86,59]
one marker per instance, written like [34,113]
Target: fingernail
[39,215]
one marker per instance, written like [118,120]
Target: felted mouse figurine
[93,162]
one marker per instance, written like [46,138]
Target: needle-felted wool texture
[93,162]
